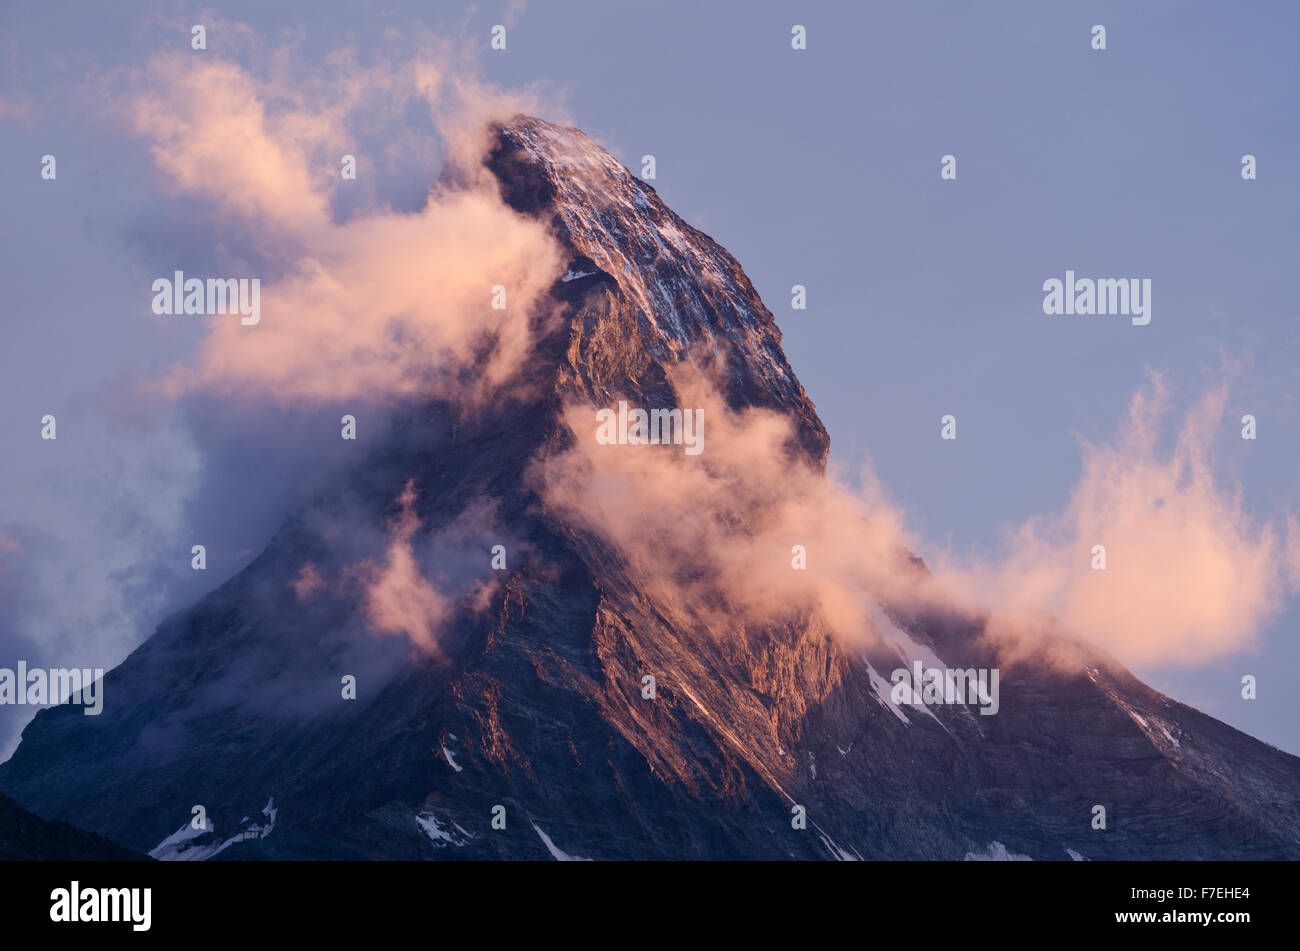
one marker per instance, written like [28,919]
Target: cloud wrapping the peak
[381,303]
[365,300]
[715,534]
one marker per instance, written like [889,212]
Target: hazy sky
[817,167]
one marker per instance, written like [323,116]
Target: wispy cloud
[398,597]
[1188,576]
[381,303]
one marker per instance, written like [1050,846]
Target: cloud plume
[716,534]
[398,598]
[359,298]
[1189,576]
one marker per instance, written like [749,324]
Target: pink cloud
[398,598]
[715,534]
[308,583]
[385,304]
[1189,576]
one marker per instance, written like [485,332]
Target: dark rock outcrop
[25,837]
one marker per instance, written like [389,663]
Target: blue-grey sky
[817,167]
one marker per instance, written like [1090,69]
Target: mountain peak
[641,278]
[563,166]
[535,701]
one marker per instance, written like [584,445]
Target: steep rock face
[648,289]
[535,704]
